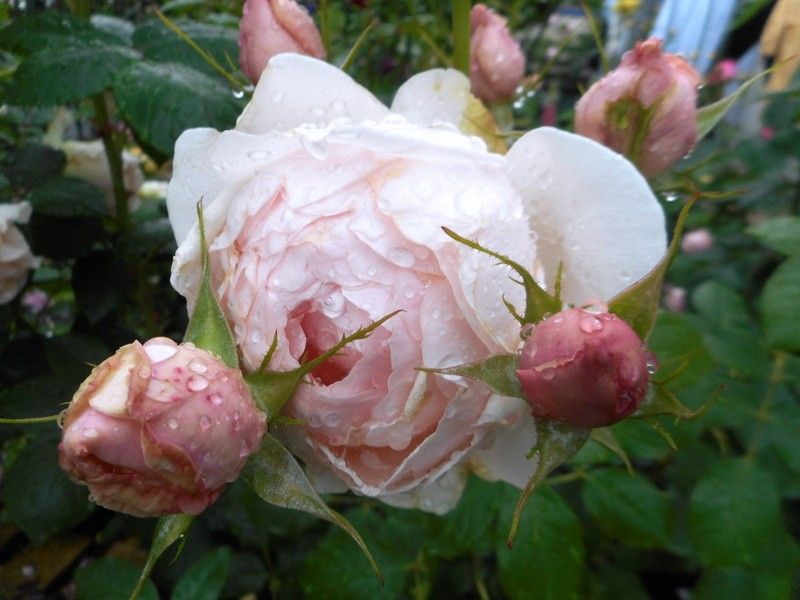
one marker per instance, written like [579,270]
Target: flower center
[321,334]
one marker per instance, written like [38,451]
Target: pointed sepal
[169,530]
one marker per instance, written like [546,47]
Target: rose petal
[438,95]
[295,90]
[591,209]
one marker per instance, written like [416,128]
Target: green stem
[357,45]
[598,40]
[461,34]
[30,420]
[114,157]
[325,25]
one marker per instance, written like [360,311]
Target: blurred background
[703,509]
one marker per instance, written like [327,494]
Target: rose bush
[159,428]
[323,213]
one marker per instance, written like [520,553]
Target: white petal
[433,96]
[296,90]
[439,496]
[591,209]
[501,455]
[18,212]
[193,179]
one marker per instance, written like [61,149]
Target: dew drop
[238,94]
[205,422]
[255,337]
[590,324]
[244,451]
[172,423]
[198,366]
[90,432]
[196,383]
[401,257]
[372,270]
[332,419]
[215,399]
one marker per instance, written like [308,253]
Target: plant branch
[114,157]
[461,34]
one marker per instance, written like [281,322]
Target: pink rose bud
[583,368]
[723,71]
[270,27]
[675,298]
[767,133]
[159,428]
[696,241]
[645,109]
[497,64]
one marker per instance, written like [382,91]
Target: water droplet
[436,313]
[90,432]
[215,399]
[255,336]
[315,145]
[244,451]
[196,383]
[198,365]
[558,319]
[172,423]
[238,94]
[401,257]
[332,419]
[409,293]
[590,324]
[372,270]
[670,196]
[526,330]
[258,155]
[204,421]
[92,498]
[29,571]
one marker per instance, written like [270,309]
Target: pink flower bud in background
[723,72]
[270,27]
[675,298]
[497,64]
[767,133]
[645,109]
[696,241]
[583,368]
[160,428]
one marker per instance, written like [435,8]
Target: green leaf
[738,583]
[677,342]
[555,443]
[547,562]
[169,530]
[208,329]
[36,31]
[119,28]
[498,372]
[69,197]
[159,44]
[708,116]
[781,234]
[110,577]
[606,438]
[629,508]
[152,98]
[39,497]
[660,401]
[30,165]
[276,477]
[638,304]
[780,306]
[73,70]
[732,510]
[334,570]
[206,578]
[538,302]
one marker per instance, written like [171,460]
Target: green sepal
[638,304]
[208,329]
[498,372]
[606,438]
[273,389]
[278,479]
[708,116]
[660,401]
[169,529]
[555,443]
[538,302]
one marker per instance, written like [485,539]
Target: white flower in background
[323,213]
[15,254]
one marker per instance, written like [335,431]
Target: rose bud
[697,241]
[270,27]
[645,109]
[497,63]
[583,368]
[159,428]
[675,298]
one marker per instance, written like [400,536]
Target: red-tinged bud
[583,368]
[697,241]
[270,27]
[497,63]
[159,428]
[645,109]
